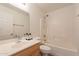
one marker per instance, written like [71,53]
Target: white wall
[60,27]
[35,15]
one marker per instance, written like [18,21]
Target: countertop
[11,46]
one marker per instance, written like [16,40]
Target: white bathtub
[58,50]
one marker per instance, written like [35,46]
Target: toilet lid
[44,47]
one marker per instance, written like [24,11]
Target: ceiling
[47,7]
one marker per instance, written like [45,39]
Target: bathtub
[58,50]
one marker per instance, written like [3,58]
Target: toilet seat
[45,49]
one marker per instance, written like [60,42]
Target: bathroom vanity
[23,48]
[31,51]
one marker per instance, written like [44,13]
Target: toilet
[46,50]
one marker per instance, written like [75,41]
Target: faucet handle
[29,33]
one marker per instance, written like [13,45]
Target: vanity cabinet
[31,51]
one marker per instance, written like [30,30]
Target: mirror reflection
[13,22]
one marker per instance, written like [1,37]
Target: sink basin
[21,43]
[24,41]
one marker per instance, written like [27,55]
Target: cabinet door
[37,53]
[26,52]
[31,51]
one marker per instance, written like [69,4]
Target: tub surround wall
[60,26]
